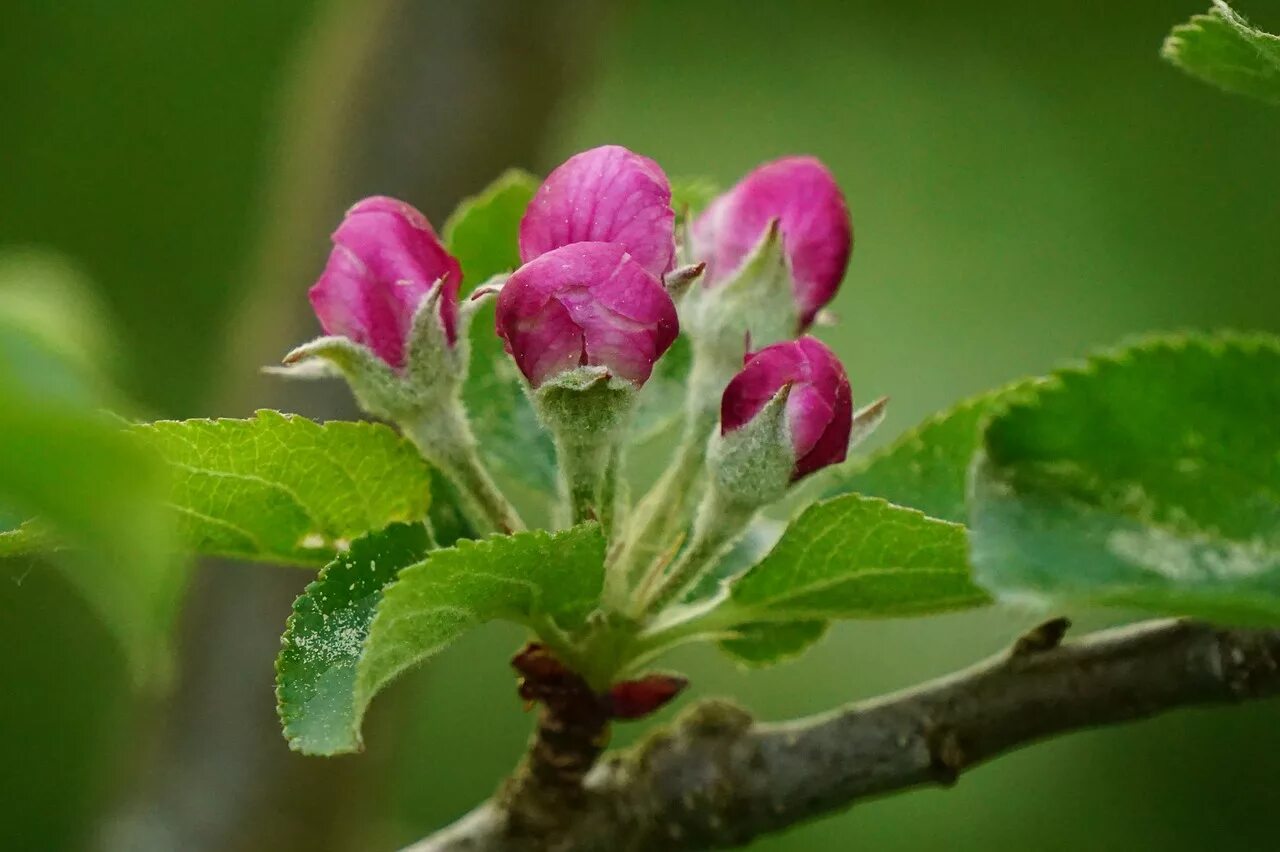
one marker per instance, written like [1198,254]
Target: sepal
[751,466]
[867,420]
[431,378]
[754,305]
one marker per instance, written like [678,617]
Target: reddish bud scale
[546,680]
[635,699]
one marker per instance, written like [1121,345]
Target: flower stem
[444,438]
[663,512]
[584,466]
[719,523]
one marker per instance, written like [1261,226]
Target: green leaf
[692,193]
[483,234]
[94,488]
[768,643]
[847,557]
[1221,48]
[926,468]
[322,644]
[1148,478]
[859,557]
[535,578]
[281,488]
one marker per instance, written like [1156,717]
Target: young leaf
[847,557]
[321,647]
[533,578]
[483,234]
[768,643]
[859,557]
[926,467]
[1149,477]
[693,193]
[281,488]
[1222,49]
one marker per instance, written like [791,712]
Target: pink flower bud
[586,304]
[384,261]
[817,234]
[609,195]
[819,408]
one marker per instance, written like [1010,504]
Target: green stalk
[445,439]
[663,513]
[720,522]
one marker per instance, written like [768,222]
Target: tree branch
[717,779]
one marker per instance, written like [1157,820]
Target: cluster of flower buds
[586,317]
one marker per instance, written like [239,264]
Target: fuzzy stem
[719,523]
[584,465]
[445,439]
[663,511]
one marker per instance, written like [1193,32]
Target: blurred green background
[1027,181]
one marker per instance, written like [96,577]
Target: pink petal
[385,259]
[609,311]
[817,234]
[606,194]
[819,407]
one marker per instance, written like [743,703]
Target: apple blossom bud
[819,405]
[817,235]
[585,304]
[385,260]
[607,194]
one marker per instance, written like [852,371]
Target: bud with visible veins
[818,414]
[586,305]
[585,324]
[802,197]
[785,415]
[388,302]
[607,194]
[385,260]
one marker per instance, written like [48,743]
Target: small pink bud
[586,304]
[609,195]
[819,408]
[384,261]
[817,235]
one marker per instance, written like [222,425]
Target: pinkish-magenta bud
[385,259]
[817,234]
[586,304]
[609,195]
[819,408]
